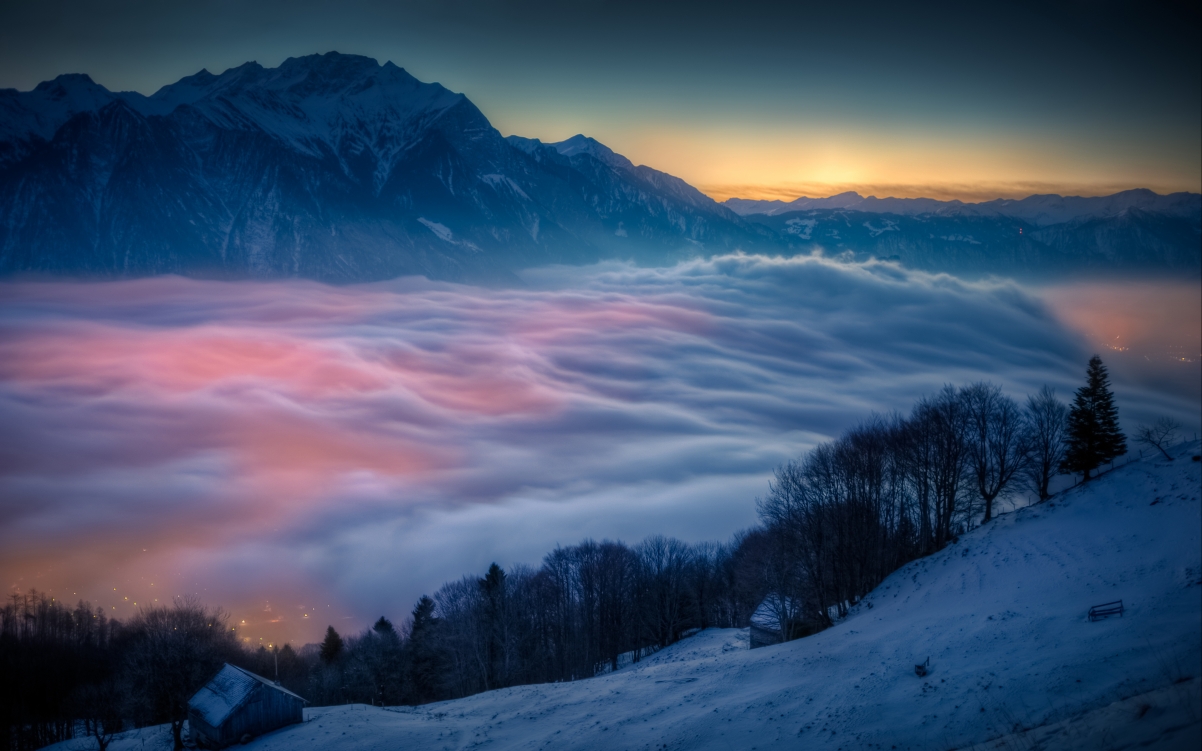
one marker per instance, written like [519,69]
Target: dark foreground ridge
[337,168]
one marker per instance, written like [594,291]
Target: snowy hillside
[1001,614]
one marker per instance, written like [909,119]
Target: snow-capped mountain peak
[311,101]
[582,144]
[39,113]
[330,166]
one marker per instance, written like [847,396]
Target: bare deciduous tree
[997,441]
[174,650]
[1159,436]
[1047,420]
[99,707]
[937,460]
[663,568]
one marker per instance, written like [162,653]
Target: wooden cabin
[237,703]
[767,626]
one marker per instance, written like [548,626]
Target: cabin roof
[765,616]
[228,690]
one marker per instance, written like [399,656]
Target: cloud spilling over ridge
[307,454]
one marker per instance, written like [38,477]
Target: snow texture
[443,232]
[1001,613]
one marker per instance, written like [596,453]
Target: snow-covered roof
[766,615]
[227,691]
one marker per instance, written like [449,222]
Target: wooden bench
[1105,610]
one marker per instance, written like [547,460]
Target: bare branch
[1159,436]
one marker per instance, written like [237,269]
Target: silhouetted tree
[331,646]
[1093,431]
[1159,436]
[426,660]
[99,707]
[997,441]
[663,588]
[616,572]
[49,652]
[1047,423]
[746,574]
[936,458]
[494,626]
[173,651]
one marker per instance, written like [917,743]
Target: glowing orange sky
[1150,317]
[776,161]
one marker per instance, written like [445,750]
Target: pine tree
[425,653]
[383,627]
[492,588]
[1094,437]
[331,647]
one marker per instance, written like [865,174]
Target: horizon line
[969,197]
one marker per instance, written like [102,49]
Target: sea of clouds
[307,454]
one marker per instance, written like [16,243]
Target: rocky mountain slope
[330,167]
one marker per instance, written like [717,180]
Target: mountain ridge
[330,166]
[1040,208]
[342,169]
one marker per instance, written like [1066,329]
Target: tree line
[833,524]
[852,511]
[589,608]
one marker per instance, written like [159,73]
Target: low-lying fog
[308,455]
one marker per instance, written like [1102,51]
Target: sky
[756,99]
[306,455]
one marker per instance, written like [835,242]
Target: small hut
[237,703]
[765,626]
[775,619]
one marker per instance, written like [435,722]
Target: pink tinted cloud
[299,442]
[100,358]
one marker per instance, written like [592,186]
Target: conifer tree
[425,653]
[1094,437]
[492,589]
[331,647]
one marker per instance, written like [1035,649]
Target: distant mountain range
[335,167]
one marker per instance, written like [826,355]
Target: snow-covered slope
[1015,662]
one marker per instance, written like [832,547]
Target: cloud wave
[307,454]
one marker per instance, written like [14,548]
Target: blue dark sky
[751,98]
